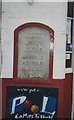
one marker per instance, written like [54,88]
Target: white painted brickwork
[51,14]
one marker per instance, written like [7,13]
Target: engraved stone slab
[33,53]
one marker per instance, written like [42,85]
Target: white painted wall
[52,14]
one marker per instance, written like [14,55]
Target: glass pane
[33,53]
[69,44]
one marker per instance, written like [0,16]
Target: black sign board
[31,102]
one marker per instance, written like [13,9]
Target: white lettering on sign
[18,101]
[15,104]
